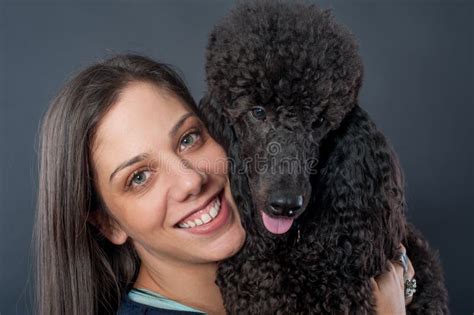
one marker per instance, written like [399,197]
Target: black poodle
[319,187]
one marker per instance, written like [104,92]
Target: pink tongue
[276,226]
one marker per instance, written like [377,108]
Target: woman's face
[164,179]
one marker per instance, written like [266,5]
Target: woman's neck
[190,284]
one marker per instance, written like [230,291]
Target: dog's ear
[363,186]
[221,129]
[216,120]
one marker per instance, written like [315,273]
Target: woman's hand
[389,289]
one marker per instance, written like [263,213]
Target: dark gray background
[418,86]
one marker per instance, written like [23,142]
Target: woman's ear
[108,226]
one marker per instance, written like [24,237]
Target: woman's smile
[209,218]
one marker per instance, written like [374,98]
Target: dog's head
[284,75]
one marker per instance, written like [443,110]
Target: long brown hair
[78,271]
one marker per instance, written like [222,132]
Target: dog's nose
[285,204]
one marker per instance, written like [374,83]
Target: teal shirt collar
[154,299]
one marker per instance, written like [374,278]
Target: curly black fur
[296,63]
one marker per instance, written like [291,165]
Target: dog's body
[283,84]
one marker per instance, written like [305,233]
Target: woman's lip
[221,219]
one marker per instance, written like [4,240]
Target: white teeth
[215,209]
[205,217]
[213,212]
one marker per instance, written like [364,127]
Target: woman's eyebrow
[126,164]
[180,122]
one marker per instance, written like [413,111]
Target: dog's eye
[259,113]
[318,122]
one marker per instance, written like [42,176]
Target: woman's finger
[388,291]
[374,285]
[399,274]
[411,271]
[407,274]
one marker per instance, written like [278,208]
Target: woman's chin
[227,245]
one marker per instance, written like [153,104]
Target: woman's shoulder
[130,307]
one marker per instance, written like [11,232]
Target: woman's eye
[139,178]
[259,113]
[189,140]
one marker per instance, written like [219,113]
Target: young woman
[135,208]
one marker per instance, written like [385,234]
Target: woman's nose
[186,180]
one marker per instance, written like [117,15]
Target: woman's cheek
[145,214]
